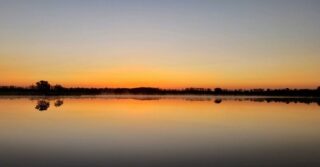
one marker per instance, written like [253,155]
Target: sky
[161,43]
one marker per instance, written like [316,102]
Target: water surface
[159,131]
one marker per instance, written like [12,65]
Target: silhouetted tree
[218,90]
[43,87]
[57,87]
[33,87]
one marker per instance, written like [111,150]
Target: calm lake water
[158,131]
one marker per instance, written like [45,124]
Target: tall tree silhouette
[43,87]
[218,90]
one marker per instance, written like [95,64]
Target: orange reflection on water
[192,114]
[147,126]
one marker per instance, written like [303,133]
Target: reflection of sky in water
[167,131]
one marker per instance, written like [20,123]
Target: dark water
[159,131]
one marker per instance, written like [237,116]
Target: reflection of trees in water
[272,100]
[198,99]
[281,100]
[44,104]
[58,103]
[146,98]
[218,101]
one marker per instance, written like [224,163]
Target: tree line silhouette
[45,88]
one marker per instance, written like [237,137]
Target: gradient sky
[162,43]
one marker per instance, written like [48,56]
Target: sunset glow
[166,44]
